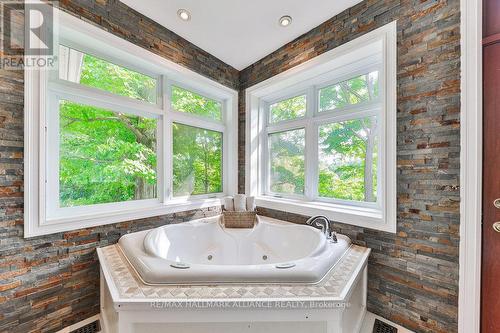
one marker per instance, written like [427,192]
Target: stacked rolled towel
[240,203]
[228,204]
[250,204]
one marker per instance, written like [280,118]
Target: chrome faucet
[323,223]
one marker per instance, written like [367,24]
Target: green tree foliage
[288,109]
[357,90]
[348,156]
[105,156]
[197,160]
[348,160]
[186,101]
[287,161]
[104,75]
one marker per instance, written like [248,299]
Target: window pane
[348,160]
[104,156]
[197,160]
[288,109]
[186,101]
[79,67]
[286,151]
[363,88]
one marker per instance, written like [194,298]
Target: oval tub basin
[204,252]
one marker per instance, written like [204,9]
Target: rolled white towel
[240,203]
[250,204]
[228,204]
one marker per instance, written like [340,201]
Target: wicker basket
[239,219]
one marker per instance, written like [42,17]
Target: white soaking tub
[204,252]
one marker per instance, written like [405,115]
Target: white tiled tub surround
[203,251]
[336,304]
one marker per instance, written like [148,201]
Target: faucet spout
[323,223]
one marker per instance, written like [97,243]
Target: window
[103,127]
[105,156]
[286,156]
[288,109]
[345,161]
[360,89]
[187,101]
[119,134]
[83,68]
[197,161]
[323,137]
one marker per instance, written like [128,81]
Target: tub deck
[126,300]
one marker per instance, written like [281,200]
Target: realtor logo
[28,30]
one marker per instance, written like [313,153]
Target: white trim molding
[374,51]
[471,117]
[43,91]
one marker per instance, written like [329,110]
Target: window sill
[54,225]
[353,215]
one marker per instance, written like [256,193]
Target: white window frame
[374,51]
[44,89]
[193,120]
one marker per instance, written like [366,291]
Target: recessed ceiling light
[184,14]
[285,21]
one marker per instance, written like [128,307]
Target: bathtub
[204,252]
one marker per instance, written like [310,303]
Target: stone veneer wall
[49,282]
[413,275]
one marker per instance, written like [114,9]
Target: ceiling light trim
[285,21]
[184,14]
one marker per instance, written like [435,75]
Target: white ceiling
[240,32]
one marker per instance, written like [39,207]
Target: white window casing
[44,90]
[374,51]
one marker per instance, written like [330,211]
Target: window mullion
[51,165]
[160,92]
[311,154]
[167,171]
[160,143]
[196,121]
[265,166]
[288,125]
[102,99]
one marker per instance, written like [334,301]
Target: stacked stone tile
[50,282]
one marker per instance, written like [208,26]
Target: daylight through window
[323,144]
[108,143]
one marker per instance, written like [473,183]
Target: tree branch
[121,118]
[347,89]
[354,132]
[128,124]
